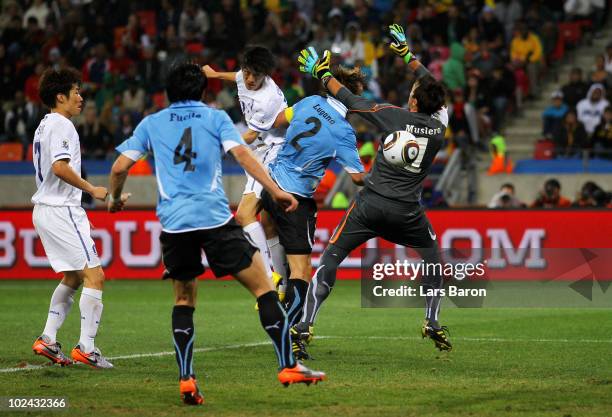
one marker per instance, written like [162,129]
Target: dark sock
[322,283]
[184,334]
[294,300]
[274,321]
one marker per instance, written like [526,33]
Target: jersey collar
[338,106]
[186,103]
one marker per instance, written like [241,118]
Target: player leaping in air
[318,133]
[261,102]
[388,206]
[188,139]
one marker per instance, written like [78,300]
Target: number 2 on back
[307,134]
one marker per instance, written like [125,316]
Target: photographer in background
[551,196]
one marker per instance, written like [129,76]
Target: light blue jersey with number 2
[317,133]
[187,140]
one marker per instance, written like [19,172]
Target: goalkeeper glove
[399,45]
[310,63]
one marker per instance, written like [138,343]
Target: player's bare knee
[94,278]
[72,279]
[185,292]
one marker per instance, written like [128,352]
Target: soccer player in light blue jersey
[187,140]
[318,133]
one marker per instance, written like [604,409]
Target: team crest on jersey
[65,144]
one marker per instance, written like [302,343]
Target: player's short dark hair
[507,185]
[259,60]
[185,81]
[430,95]
[53,82]
[352,79]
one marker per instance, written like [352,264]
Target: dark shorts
[296,229]
[227,250]
[372,215]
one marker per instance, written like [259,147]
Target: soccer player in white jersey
[261,102]
[61,222]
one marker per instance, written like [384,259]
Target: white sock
[258,237]
[91,311]
[61,302]
[278,256]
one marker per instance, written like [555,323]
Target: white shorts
[66,236]
[266,155]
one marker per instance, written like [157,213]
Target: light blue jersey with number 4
[187,140]
[317,133]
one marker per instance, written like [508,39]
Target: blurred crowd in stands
[491,55]
[590,195]
[579,117]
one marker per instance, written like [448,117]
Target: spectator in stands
[19,119]
[508,12]
[193,19]
[553,115]
[453,70]
[350,49]
[81,44]
[492,29]
[97,65]
[602,138]
[461,120]
[570,137]
[95,139]
[591,109]
[608,58]
[592,195]
[485,60]
[577,9]
[505,198]
[501,86]
[550,196]
[38,10]
[526,51]
[576,89]
[458,25]
[599,75]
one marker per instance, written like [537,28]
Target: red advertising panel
[129,247]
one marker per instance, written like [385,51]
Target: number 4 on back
[187,154]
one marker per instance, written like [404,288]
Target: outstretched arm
[212,74]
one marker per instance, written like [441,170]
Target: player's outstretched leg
[274,321]
[61,302]
[183,333]
[319,289]
[432,284]
[91,308]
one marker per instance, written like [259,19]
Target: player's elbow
[240,153]
[121,166]
[358,178]
[58,167]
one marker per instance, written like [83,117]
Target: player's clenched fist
[310,63]
[99,193]
[209,72]
[285,200]
[399,45]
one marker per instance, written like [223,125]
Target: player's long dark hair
[53,82]
[429,94]
[351,78]
[186,81]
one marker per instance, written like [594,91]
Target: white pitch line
[255,344]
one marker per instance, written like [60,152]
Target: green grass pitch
[506,362]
